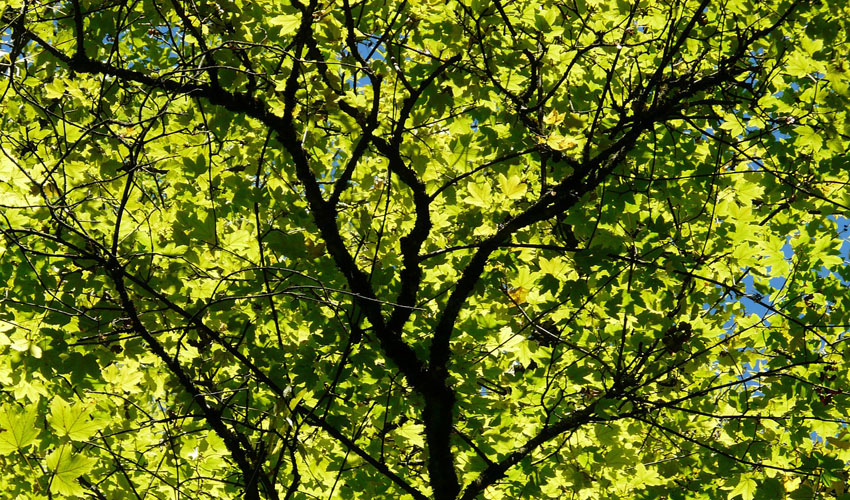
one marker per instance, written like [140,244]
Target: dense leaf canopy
[424,249]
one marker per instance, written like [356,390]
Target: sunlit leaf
[17,428]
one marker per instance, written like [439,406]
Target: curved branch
[497,471]
[360,452]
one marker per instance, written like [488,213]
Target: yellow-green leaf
[73,421]
[17,428]
[513,187]
[66,466]
[746,488]
[413,434]
[479,195]
[288,22]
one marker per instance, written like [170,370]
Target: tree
[510,249]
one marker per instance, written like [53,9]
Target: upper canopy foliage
[464,249]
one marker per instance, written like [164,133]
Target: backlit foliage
[581,249]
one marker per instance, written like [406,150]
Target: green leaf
[125,378]
[55,89]
[575,240]
[412,434]
[288,23]
[746,488]
[512,187]
[17,428]
[73,420]
[65,467]
[808,138]
[646,476]
[479,195]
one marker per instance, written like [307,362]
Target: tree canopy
[423,249]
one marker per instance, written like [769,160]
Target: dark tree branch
[236,443]
[351,445]
[497,471]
